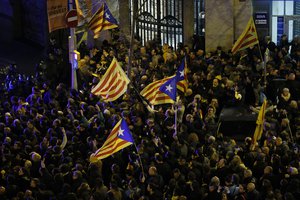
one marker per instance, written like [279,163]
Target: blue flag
[169,88]
[180,72]
[102,20]
[182,83]
[178,81]
[108,16]
[118,139]
[124,132]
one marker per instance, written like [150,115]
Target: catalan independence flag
[153,94]
[247,39]
[118,139]
[169,88]
[113,83]
[181,75]
[86,9]
[102,20]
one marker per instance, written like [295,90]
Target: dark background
[23,38]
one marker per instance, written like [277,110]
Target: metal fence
[160,20]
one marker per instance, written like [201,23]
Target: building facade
[216,23]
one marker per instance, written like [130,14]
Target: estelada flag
[181,75]
[118,139]
[113,84]
[102,20]
[56,11]
[247,39]
[154,95]
[169,88]
[86,9]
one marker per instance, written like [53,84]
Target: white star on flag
[107,16]
[121,132]
[181,73]
[169,88]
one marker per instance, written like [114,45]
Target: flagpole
[131,42]
[290,130]
[140,160]
[263,59]
[139,95]
[134,16]
[234,20]
[72,48]
[264,66]
[176,108]
[219,125]
[175,119]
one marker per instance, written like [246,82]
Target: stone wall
[34,21]
[224,22]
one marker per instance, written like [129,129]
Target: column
[218,24]
[242,13]
[124,17]
[225,21]
[188,22]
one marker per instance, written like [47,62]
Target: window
[285,19]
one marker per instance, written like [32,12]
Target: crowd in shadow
[48,130]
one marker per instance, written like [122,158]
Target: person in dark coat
[252,192]
[154,192]
[214,192]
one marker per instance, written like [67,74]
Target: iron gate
[160,20]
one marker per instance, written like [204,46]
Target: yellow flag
[260,123]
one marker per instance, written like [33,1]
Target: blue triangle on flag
[124,132]
[169,88]
[180,71]
[108,16]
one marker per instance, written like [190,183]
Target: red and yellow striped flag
[118,139]
[113,84]
[247,39]
[102,20]
[152,93]
[181,74]
[155,97]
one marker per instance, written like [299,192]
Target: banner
[57,10]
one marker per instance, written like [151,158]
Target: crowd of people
[48,131]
